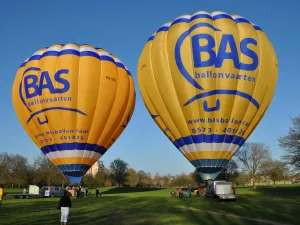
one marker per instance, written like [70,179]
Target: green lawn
[280,204]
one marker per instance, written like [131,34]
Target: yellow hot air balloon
[207,79]
[74,102]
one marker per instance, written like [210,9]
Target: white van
[52,191]
[220,189]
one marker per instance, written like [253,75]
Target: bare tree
[47,172]
[13,169]
[290,143]
[230,171]
[142,178]
[4,159]
[274,170]
[252,156]
[184,180]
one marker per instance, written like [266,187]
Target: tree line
[252,163]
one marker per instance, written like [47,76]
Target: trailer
[23,196]
[34,192]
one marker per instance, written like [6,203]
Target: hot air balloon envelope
[207,79]
[74,102]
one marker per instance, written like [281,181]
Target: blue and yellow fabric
[207,80]
[74,102]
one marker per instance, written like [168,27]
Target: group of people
[182,193]
[98,193]
[187,192]
[80,191]
[201,189]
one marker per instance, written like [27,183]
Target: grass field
[132,206]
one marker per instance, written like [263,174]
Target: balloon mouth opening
[74,177]
[74,180]
[209,173]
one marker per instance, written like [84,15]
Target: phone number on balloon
[62,138]
[225,130]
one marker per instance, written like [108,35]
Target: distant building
[95,168]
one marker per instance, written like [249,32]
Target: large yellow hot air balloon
[207,79]
[74,102]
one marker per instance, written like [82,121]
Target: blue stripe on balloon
[185,20]
[76,53]
[164,28]
[72,146]
[241,20]
[209,162]
[120,65]
[198,16]
[201,16]
[151,38]
[106,58]
[73,167]
[257,27]
[74,172]
[180,20]
[154,116]
[209,138]
[223,92]
[222,16]
[128,73]
[48,53]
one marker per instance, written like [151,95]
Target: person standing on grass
[78,192]
[201,189]
[1,194]
[180,193]
[234,188]
[97,192]
[65,205]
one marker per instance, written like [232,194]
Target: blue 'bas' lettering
[31,83]
[217,59]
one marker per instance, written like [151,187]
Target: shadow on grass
[148,210]
[111,210]
[273,206]
[119,190]
[281,191]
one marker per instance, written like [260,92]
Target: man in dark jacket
[65,205]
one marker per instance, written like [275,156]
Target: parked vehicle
[34,192]
[220,189]
[297,181]
[52,191]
